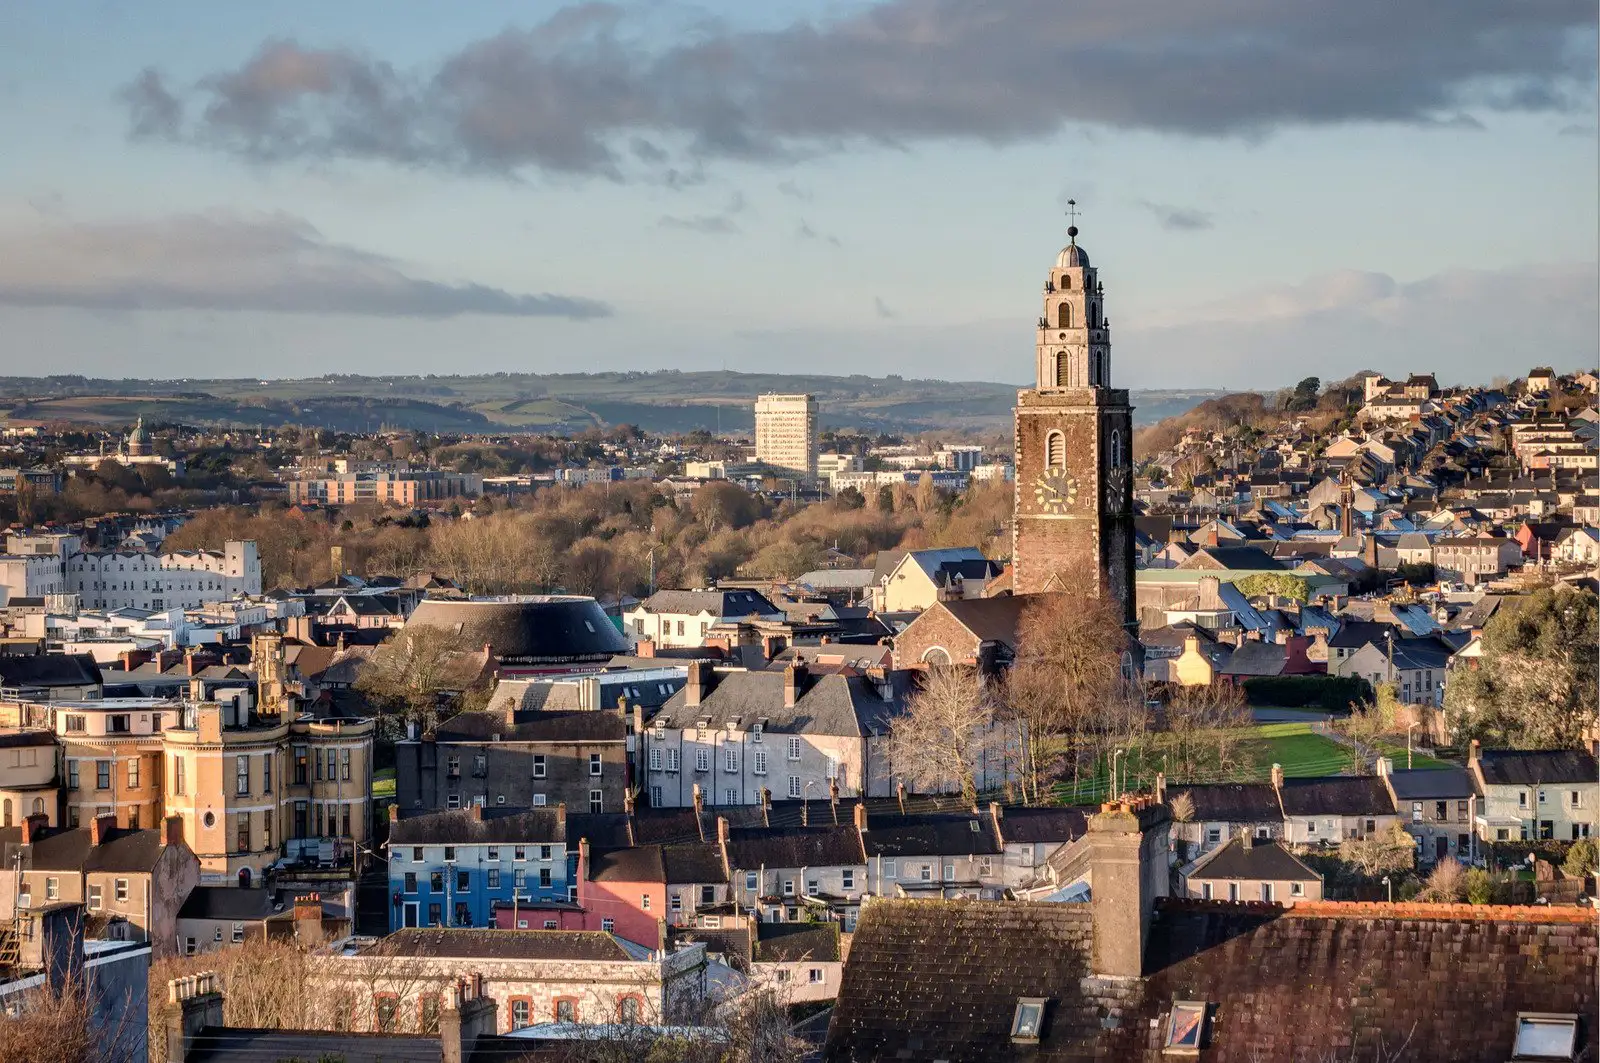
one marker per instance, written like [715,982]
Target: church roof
[1073,255]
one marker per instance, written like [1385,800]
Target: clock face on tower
[1055,491]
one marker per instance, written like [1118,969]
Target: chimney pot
[861,815]
[1277,776]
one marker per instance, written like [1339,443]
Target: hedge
[1331,692]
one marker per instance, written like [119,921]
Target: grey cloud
[153,111]
[805,231]
[576,94]
[882,307]
[1179,219]
[272,263]
[721,223]
[711,224]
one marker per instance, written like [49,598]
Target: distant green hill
[666,401]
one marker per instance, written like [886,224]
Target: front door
[410,917]
[1441,847]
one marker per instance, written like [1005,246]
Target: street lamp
[1390,886]
[1114,757]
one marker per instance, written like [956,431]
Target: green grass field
[1396,751]
[1295,746]
[383,782]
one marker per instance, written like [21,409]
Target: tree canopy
[1535,685]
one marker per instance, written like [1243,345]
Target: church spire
[1074,342]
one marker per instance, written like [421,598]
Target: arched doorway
[244,878]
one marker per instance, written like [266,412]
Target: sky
[1269,190]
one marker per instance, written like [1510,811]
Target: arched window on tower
[1065,283]
[1064,315]
[1055,450]
[1116,448]
[1094,315]
[1061,371]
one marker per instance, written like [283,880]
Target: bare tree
[1066,684]
[56,1023]
[415,670]
[1202,737]
[1380,853]
[947,728]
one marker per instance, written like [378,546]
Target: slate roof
[480,826]
[640,863]
[1530,767]
[940,834]
[1031,825]
[1336,795]
[736,943]
[1354,634]
[604,830]
[796,942]
[121,850]
[737,602]
[773,847]
[693,862]
[828,704]
[544,726]
[1253,658]
[231,903]
[1230,802]
[990,619]
[1266,861]
[929,980]
[1433,784]
[554,628]
[230,1044]
[581,945]
[49,670]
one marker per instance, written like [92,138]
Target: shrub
[1447,883]
[1480,886]
[1330,692]
[1582,858]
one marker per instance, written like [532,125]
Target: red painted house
[624,891]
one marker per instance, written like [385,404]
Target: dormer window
[1545,1036]
[1185,1026]
[1028,1021]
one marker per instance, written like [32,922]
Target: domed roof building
[527,633]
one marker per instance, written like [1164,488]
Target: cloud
[584,92]
[1338,323]
[794,191]
[711,224]
[274,263]
[719,224]
[805,232]
[882,307]
[1179,219]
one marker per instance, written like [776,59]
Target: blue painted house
[450,868]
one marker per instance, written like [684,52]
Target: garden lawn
[383,782]
[1301,751]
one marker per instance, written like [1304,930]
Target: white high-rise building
[786,433]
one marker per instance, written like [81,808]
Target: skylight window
[1028,1021]
[1541,1036]
[1185,1027]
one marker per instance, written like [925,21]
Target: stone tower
[1073,525]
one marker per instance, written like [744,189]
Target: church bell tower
[1073,515]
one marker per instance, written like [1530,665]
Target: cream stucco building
[786,433]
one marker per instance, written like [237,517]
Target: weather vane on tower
[1072,220]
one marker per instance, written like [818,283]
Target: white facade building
[786,433]
[184,579]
